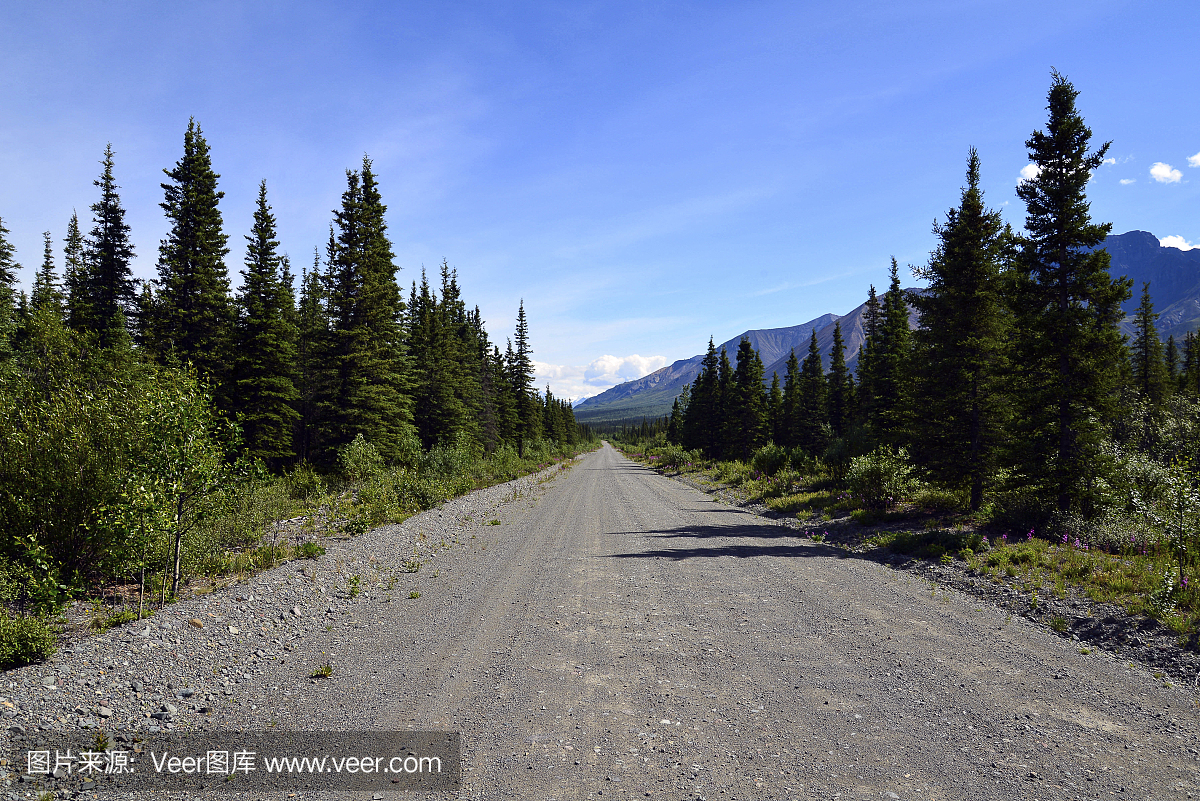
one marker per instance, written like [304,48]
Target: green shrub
[304,483]
[770,459]
[24,640]
[881,478]
[675,457]
[360,460]
[310,550]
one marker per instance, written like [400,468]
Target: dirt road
[620,635]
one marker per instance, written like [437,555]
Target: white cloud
[1029,172]
[1109,161]
[1165,173]
[577,382]
[1194,161]
[1176,242]
[1128,181]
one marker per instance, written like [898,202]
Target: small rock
[136,686]
[49,681]
[296,611]
[186,693]
[163,716]
[233,630]
[104,712]
[196,623]
[169,708]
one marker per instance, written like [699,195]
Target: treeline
[1017,377]
[300,376]
[133,416]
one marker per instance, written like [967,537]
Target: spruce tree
[312,351]
[841,385]
[745,419]
[891,367]
[265,340]
[872,322]
[109,298]
[1189,376]
[1069,347]
[1171,359]
[959,346]
[75,275]
[368,369]
[438,411]
[775,416]
[193,315]
[701,424]
[812,421]
[1150,375]
[520,371]
[790,428]
[724,406]
[8,295]
[46,291]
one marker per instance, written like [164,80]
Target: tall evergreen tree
[841,385]
[8,295]
[812,421]
[701,423]
[46,291]
[75,275]
[312,349]
[790,429]
[745,418]
[1189,376]
[1150,375]
[193,315]
[520,371]
[265,340]
[960,345]
[891,367]
[1068,308]
[108,288]
[369,380]
[438,410]
[1171,359]
[724,405]
[872,323]
[776,421]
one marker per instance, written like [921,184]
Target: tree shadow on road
[740,550]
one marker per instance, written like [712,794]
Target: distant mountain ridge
[1174,277]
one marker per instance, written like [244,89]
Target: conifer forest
[153,433]
[1001,401]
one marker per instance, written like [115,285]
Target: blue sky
[644,175]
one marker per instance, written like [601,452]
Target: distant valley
[1174,277]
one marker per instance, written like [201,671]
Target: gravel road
[620,635]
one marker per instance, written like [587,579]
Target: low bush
[880,479]
[770,459]
[24,640]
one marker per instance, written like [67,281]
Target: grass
[325,671]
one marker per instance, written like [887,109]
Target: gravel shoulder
[619,634]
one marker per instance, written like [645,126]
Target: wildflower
[1004,537]
[1077,542]
[1064,539]
[1030,537]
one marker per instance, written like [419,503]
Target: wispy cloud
[577,382]
[1128,181]
[1194,161]
[1176,242]
[1029,172]
[1109,161]
[1165,173]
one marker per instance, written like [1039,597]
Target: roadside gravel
[620,635]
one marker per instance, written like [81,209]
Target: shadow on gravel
[738,550]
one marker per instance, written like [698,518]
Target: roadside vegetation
[1015,431]
[159,437]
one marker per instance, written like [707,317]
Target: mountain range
[1174,277]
